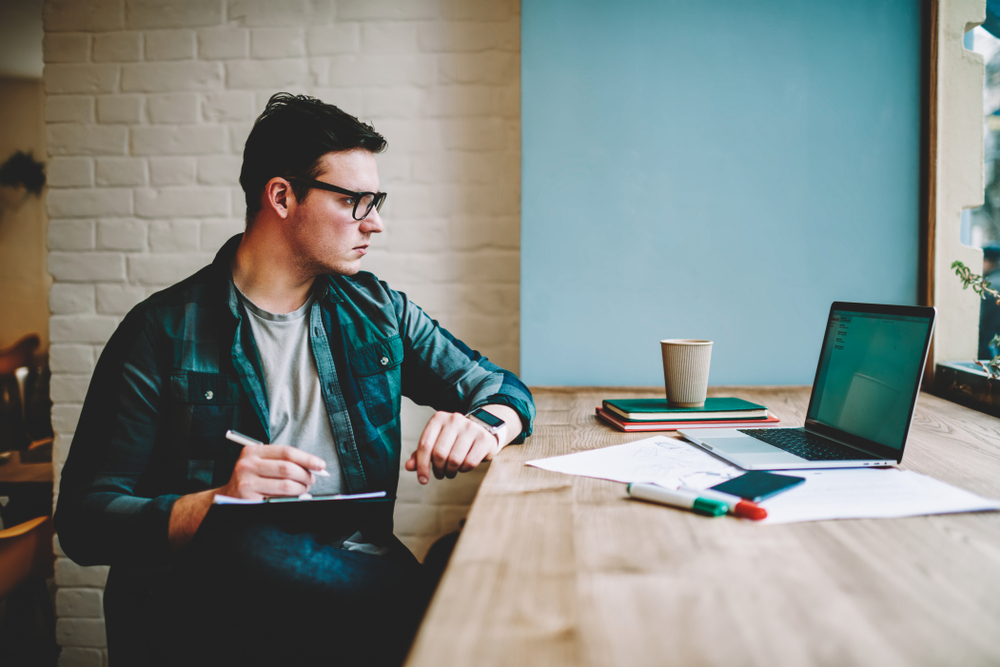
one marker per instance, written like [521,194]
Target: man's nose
[372,224]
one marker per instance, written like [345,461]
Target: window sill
[966,384]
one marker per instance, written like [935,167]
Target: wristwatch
[491,423]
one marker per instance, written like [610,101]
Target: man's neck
[263,274]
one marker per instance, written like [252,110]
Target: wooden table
[28,487]
[13,471]
[554,569]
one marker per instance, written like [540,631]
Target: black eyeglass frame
[378,198]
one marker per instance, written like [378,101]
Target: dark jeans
[282,594]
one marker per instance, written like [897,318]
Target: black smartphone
[755,486]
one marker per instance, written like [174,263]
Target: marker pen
[737,506]
[247,441]
[674,498]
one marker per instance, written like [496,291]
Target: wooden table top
[12,471]
[555,569]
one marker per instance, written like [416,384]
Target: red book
[632,426]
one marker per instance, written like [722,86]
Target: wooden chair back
[25,549]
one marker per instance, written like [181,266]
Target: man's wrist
[489,421]
[186,516]
[501,435]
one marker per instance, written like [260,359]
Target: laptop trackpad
[742,445]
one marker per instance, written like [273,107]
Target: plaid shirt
[182,368]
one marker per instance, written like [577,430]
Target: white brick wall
[148,106]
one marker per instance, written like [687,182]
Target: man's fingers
[280,487]
[449,444]
[247,483]
[281,469]
[303,459]
[459,450]
[453,429]
[273,470]
[425,445]
[483,450]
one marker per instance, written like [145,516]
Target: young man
[281,338]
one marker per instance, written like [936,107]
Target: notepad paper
[850,493]
[304,498]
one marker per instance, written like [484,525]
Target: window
[981,226]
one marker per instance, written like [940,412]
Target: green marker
[674,498]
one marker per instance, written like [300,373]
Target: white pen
[675,498]
[247,441]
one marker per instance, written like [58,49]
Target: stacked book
[655,414]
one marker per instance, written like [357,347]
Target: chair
[27,631]
[27,634]
[25,549]
[24,403]
[20,354]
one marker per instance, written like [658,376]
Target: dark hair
[290,138]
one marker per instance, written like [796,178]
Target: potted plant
[973,383]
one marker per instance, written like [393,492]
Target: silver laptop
[862,400]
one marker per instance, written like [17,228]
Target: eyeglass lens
[366,204]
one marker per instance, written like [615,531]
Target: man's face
[323,232]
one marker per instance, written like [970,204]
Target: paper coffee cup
[685,371]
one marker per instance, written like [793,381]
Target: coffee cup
[685,371]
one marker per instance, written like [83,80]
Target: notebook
[862,402]
[658,409]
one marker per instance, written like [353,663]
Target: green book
[657,409]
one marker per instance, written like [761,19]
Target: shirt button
[384,360]
[209,395]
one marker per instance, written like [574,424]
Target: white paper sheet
[868,493]
[658,460]
[850,493]
[304,498]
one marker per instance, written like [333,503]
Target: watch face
[487,417]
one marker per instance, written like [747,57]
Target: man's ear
[278,196]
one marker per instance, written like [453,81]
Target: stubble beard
[310,265]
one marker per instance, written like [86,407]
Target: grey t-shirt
[295,398]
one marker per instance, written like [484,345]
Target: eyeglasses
[363,201]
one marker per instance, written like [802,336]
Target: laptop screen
[869,372]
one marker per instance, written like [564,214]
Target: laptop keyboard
[808,446]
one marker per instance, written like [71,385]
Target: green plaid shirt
[182,368]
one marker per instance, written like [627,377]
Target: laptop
[862,401]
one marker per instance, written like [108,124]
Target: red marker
[737,506]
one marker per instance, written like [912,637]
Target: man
[283,339]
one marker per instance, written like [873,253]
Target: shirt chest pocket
[377,368]
[203,406]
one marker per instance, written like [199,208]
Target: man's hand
[261,470]
[272,470]
[452,443]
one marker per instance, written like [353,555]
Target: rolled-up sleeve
[443,372]
[108,511]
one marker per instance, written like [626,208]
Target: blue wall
[719,170]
